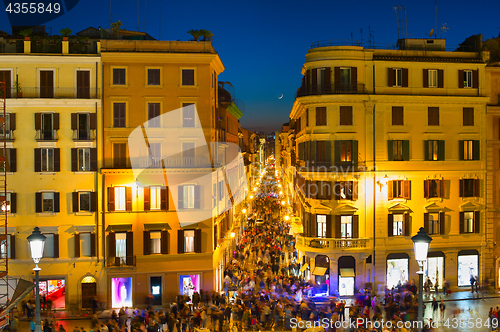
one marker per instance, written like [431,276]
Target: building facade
[388,141]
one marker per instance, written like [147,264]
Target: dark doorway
[89,290]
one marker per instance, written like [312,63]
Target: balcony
[311,243]
[46,135]
[347,88]
[120,262]
[174,162]
[57,93]
[83,135]
[9,137]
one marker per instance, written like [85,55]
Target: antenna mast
[371,39]
[138,22]
[397,9]
[406,24]
[436,17]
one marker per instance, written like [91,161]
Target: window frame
[394,119]
[157,235]
[191,243]
[79,150]
[188,201]
[433,116]
[44,193]
[45,167]
[86,192]
[468,78]
[120,118]
[344,226]
[468,117]
[185,108]
[433,78]
[397,222]
[120,198]
[321,116]
[397,77]
[434,225]
[160,83]
[469,223]
[181,81]
[154,122]
[346,116]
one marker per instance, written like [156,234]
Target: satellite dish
[431,33]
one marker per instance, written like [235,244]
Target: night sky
[263,43]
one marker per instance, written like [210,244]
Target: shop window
[397,271]
[467,267]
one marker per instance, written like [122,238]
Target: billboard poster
[121,292]
[189,284]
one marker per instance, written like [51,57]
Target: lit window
[321,223]
[85,244]
[119,198]
[84,159]
[121,246]
[47,160]
[5,202]
[467,78]
[434,224]
[155,197]
[47,202]
[155,242]
[346,227]
[468,222]
[433,78]
[188,197]
[398,224]
[468,150]
[5,248]
[84,201]
[188,241]
[397,77]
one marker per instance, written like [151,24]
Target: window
[47,202]
[85,245]
[154,115]
[121,247]
[188,115]
[399,150]
[398,225]
[345,116]
[84,159]
[397,116]
[83,83]
[321,151]
[320,116]
[434,224]
[155,242]
[434,150]
[120,201]
[47,160]
[8,203]
[320,80]
[6,76]
[49,246]
[188,196]
[46,84]
[346,227]
[469,222]
[469,187]
[345,151]
[433,116]
[10,124]
[119,155]
[155,197]
[324,190]
[434,188]
[84,201]
[154,76]
[10,160]
[399,189]
[5,248]
[321,225]
[346,190]
[82,124]
[397,77]
[467,78]
[189,241]
[188,77]
[119,115]
[345,78]
[468,116]
[155,154]
[46,125]
[433,78]
[469,150]
[119,76]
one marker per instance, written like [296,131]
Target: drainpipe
[103,193]
[374,183]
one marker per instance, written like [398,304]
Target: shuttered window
[119,115]
[433,116]
[83,84]
[119,76]
[154,115]
[468,116]
[5,76]
[469,187]
[119,155]
[154,76]
[188,77]
[434,188]
[46,84]
[397,116]
[345,116]
[320,116]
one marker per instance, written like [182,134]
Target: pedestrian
[95,304]
[32,325]
[472,281]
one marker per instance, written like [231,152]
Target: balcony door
[46,84]
[83,84]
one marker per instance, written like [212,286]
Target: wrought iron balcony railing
[126,261]
[331,243]
[46,135]
[345,88]
[54,92]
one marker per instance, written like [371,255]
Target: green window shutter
[475,150]
[337,152]
[426,150]
[461,150]
[328,155]
[313,152]
[390,149]
[355,153]
[441,150]
[406,150]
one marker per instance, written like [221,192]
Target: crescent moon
[280,96]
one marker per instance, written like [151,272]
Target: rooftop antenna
[159,27]
[361,32]
[144,25]
[406,24]
[435,17]
[443,30]
[397,9]
[138,12]
[371,33]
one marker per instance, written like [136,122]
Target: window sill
[118,85]
[84,213]
[188,87]
[46,214]
[83,172]
[47,173]
[154,86]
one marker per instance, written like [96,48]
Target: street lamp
[37,240]
[421,243]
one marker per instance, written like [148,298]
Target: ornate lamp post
[37,241]
[421,243]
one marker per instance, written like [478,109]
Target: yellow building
[388,141]
[53,106]
[166,209]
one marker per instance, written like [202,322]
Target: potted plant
[19,92]
[26,34]
[65,33]
[196,33]
[115,27]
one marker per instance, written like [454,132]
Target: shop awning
[346,273]
[304,267]
[319,271]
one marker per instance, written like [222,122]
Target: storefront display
[434,270]
[467,267]
[55,292]
[397,272]
[121,292]
[189,284]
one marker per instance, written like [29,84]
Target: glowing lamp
[421,243]
[36,241]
